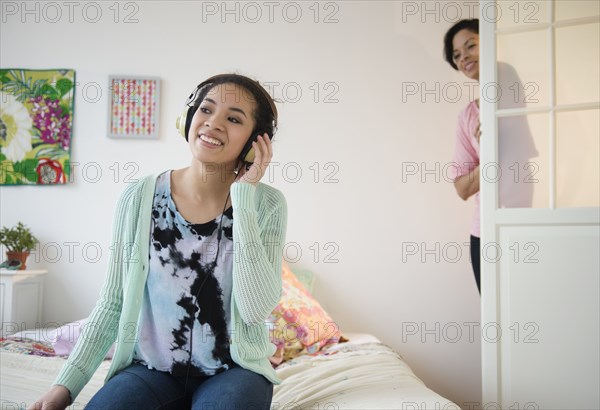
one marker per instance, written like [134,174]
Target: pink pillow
[299,324]
[63,339]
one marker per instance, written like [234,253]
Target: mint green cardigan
[260,218]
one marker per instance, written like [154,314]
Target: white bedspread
[354,375]
[360,374]
[24,378]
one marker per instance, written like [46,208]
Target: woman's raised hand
[263,152]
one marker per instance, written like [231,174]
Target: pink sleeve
[466,148]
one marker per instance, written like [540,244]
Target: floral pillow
[299,325]
[26,346]
[61,339]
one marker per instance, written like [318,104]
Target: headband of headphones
[193,101]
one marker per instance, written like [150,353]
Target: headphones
[184,120]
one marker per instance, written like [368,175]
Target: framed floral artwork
[36,122]
[133,110]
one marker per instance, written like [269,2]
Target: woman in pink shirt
[461,50]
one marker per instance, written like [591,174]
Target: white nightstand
[21,298]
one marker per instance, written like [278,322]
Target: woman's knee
[137,387]
[236,388]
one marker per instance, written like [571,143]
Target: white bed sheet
[24,378]
[359,374]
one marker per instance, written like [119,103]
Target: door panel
[549,321]
[540,266]
[577,159]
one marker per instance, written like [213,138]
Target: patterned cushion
[299,325]
[26,346]
[306,277]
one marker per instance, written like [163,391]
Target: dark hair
[470,24]
[265,114]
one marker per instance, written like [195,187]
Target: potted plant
[18,242]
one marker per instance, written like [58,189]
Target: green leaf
[63,86]
[27,169]
[16,88]
[65,109]
[49,91]
[4,79]
[6,168]
[33,178]
[52,152]
[35,89]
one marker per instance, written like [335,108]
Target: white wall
[376,142]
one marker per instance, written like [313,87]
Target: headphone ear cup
[181,122]
[247,154]
[249,157]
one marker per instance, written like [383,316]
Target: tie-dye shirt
[185,290]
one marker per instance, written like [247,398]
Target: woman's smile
[210,140]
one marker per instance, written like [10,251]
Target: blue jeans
[137,387]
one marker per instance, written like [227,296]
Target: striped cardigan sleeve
[258,235]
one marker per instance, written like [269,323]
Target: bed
[320,369]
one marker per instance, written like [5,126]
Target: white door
[540,197]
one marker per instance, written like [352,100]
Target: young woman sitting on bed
[198,271]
